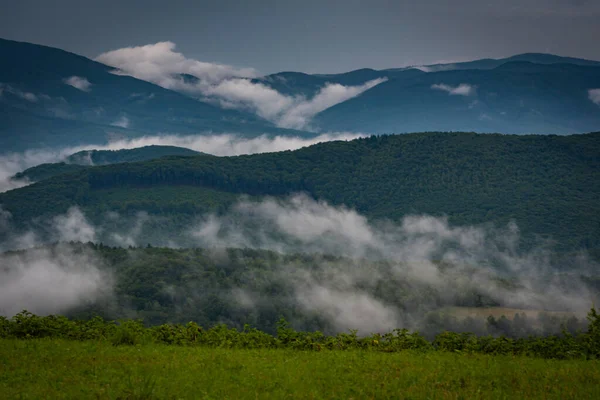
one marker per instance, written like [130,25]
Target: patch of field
[44,368]
[497,312]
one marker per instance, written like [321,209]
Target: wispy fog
[419,254]
[79,82]
[594,95]
[225,85]
[464,89]
[476,257]
[47,280]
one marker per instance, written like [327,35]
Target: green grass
[55,368]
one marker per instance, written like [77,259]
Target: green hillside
[87,158]
[48,170]
[549,185]
[103,157]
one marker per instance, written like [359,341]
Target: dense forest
[313,292]
[87,158]
[548,185]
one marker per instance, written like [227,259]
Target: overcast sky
[312,36]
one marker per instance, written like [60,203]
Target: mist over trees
[548,185]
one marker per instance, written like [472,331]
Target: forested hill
[87,158]
[549,185]
[103,157]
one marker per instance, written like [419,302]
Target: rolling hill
[87,158]
[548,185]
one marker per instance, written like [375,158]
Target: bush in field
[133,332]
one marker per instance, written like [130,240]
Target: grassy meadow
[58,368]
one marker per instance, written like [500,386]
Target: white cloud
[49,281]
[436,68]
[227,144]
[161,64]
[225,85]
[257,97]
[286,111]
[344,291]
[78,82]
[594,96]
[53,279]
[74,227]
[464,89]
[299,116]
[122,122]
[31,97]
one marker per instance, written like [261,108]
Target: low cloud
[30,97]
[79,82]
[52,279]
[367,275]
[122,122]
[226,86]
[594,96]
[300,114]
[74,227]
[409,252]
[436,68]
[285,111]
[464,89]
[161,64]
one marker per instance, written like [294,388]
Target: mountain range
[50,97]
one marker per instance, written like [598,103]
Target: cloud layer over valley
[48,280]
[357,266]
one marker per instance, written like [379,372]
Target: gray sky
[312,36]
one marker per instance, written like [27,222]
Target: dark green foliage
[104,157]
[549,185]
[45,171]
[87,158]
[27,326]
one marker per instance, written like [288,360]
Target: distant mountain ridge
[491,63]
[516,97]
[525,93]
[50,97]
[53,98]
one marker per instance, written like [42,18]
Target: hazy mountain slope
[491,63]
[548,185]
[87,158]
[52,97]
[517,97]
[297,83]
[301,84]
